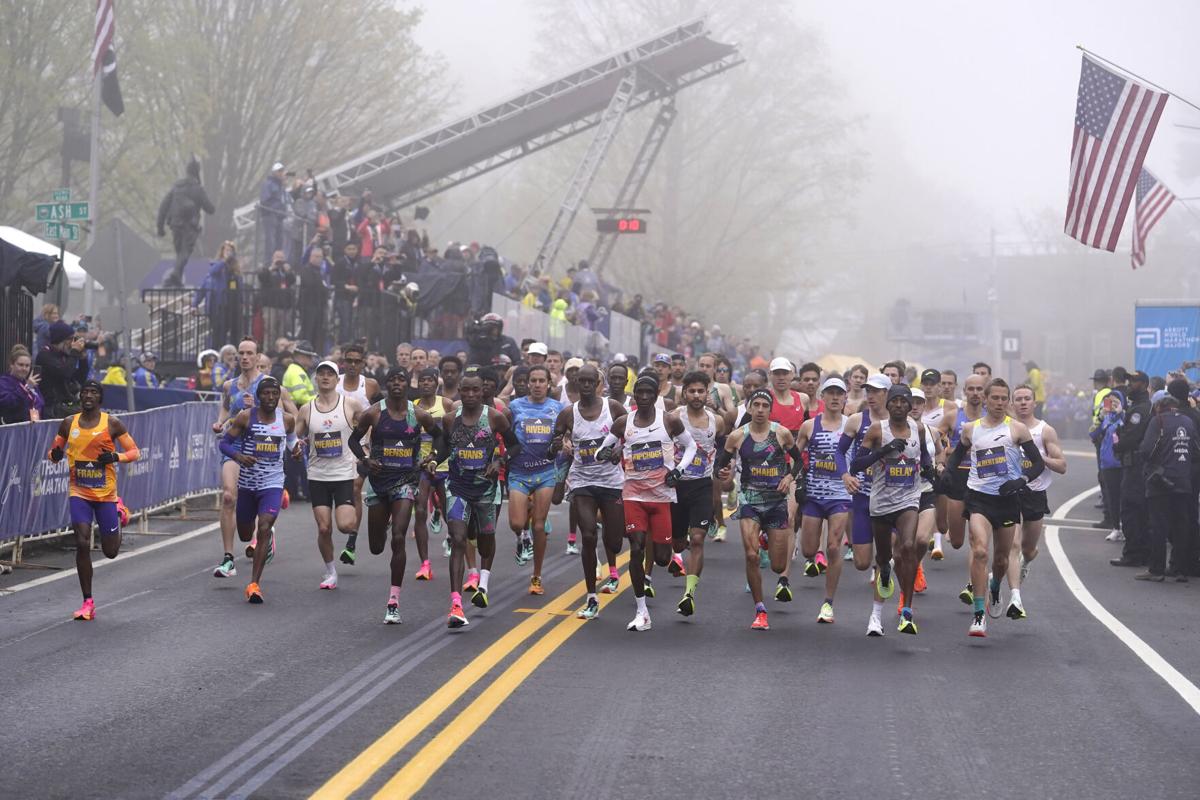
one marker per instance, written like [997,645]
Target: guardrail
[621,334]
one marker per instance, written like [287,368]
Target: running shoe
[760,622]
[456,618]
[329,582]
[480,598]
[1016,610]
[747,587]
[929,546]
[676,567]
[609,585]
[967,595]
[783,591]
[1024,569]
[711,530]
[936,554]
[995,608]
[907,625]
[225,569]
[762,540]
[978,625]
[589,611]
[874,626]
[687,606]
[1115,536]
[764,559]
[87,611]
[348,556]
[535,586]
[849,554]
[519,557]
[885,589]
[572,548]
[435,522]
[471,584]
[920,585]
[719,534]
[826,615]
[446,547]
[648,586]
[425,573]
[392,615]
[250,547]
[640,622]
[821,562]
[810,568]
[253,593]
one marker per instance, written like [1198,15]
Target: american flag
[105,23]
[1115,120]
[1153,200]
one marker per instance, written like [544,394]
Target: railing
[16,320]
[523,322]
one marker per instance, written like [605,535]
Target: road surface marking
[429,759]
[1174,678]
[69,620]
[351,777]
[141,551]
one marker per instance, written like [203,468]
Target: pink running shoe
[821,562]
[87,611]
[425,573]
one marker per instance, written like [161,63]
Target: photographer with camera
[277,282]
[486,341]
[1169,449]
[314,293]
[64,367]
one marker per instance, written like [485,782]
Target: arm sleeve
[724,457]
[839,454]
[228,445]
[689,449]
[355,444]
[1036,463]
[960,452]
[797,460]
[864,458]
[129,450]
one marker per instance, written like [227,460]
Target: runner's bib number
[90,475]
[647,456]
[992,462]
[328,445]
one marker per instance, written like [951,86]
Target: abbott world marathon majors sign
[1166,336]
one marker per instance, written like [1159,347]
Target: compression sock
[394,595]
[692,581]
[641,605]
[484,576]
[979,605]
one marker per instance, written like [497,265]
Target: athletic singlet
[897,484]
[790,417]
[824,481]
[87,478]
[995,457]
[359,394]
[956,436]
[864,477]
[763,465]
[329,454]
[266,442]
[586,438]
[241,399]
[472,448]
[395,444]
[1042,482]
[534,424]
[649,453]
[933,417]
[706,446]
[437,411]
[931,451]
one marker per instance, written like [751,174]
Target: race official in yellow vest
[296,378]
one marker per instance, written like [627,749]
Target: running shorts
[928,501]
[480,512]
[891,517]
[769,516]
[400,491]
[860,519]
[529,482]
[693,508]
[1001,511]
[330,494]
[651,518]
[253,503]
[598,493]
[958,484]
[824,509]
[104,512]
[1033,505]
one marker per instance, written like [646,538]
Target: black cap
[1100,375]
[931,376]
[1139,377]
[397,372]
[900,390]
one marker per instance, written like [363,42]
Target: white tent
[30,243]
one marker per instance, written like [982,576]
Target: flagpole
[89,300]
[1131,74]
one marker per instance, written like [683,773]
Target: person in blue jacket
[144,375]
[1104,435]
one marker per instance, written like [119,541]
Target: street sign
[61,195]
[62,231]
[61,212]
[1010,344]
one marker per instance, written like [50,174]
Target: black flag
[110,89]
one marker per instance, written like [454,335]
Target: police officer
[1133,478]
[1168,449]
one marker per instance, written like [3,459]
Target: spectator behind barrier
[64,368]
[20,400]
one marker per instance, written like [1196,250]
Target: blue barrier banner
[178,457]
[1164,337]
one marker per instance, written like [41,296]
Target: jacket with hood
[183,203]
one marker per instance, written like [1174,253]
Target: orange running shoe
[87,611]
[254,594]
[920,586]
[760,622]
[535,586]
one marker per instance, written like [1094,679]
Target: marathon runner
[955,486]
[763,447]
[1034,506]
[827,499]
[807,381]
[532,474]
[365,391]
[939,414]
[450,368]
[789,409]
[651,473]
[430,508]
[474,468]
[256,439]
[856,395]
[325,423]
[995,443]
[859,483]
[696,500]
[89,441]
[392,469]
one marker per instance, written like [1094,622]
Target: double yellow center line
[430,758]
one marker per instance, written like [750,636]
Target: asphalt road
[181,689]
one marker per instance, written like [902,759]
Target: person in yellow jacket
[1034,378]
[1100,381]
[296,379]
[115,376]
[558,318]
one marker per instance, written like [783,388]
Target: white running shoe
[572,549]
[874,626]
[329,581]
[640,622]
[1115,536]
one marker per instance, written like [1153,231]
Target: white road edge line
[141,551]
[1185,688]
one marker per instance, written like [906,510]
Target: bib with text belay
[328,445]
[267,447]
[647,456]
[698,465]
[900,474]
[991,462]
[89,475]
[397,455]
[586,450]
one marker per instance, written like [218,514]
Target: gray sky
[977,98]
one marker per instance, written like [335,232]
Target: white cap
[412,287]
[620,358]
[879,381]
[918,393]
[329,364]
[779,362]
[833,382]
[539,348]
[573,363]
[278,165]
